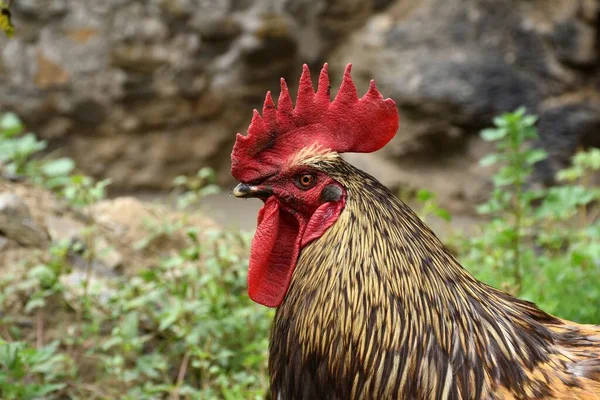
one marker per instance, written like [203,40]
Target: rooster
[370,304]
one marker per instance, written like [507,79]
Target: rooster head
[272,163]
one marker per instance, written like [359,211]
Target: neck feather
[379,282]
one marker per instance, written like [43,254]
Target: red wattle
[273,255]
[276,245]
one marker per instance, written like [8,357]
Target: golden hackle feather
[378,308]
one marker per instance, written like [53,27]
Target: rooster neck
[379,296]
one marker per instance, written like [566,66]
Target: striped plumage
[378,308]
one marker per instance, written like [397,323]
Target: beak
[245,191]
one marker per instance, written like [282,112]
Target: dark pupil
[306,179]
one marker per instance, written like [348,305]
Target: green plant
[17,151]
[190,189]
[82,191]
[183,327]
[429,206]
[5,18]
[194,313]
[28,373]
[540,244]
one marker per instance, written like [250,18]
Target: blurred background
[146,93]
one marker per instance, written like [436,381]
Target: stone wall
[142,91]
[452,65]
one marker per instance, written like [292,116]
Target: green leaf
[48,388]
[501,121]
[207,174]
[588,159]
[490,159]
[59,167]
[44,274]
[180,180]
[129,327]
[443,214]
[55,183]
[29,144]
[111,342]
[209,189]
[529,120]
[535,155]
[79,179]
[9,354]
[486,208]
[193,233]
[10,125]
[171,315]
[424,195]
[492,135]
[173,262]
[33,303]
[570,174]
[519,113]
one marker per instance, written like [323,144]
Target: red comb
[346,124]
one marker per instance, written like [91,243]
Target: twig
[6,334]
[180,375]
[90,255]
[39,342]
[93,389]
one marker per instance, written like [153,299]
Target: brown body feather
[378,308]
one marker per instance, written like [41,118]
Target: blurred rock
[63,228]
[78,282]
[575,43]
[566,124]
[131,222]
[111,229]
[41,9]
[114,83]
[451,65]
[105,257]
[4,242]
[143,92]
[16,222]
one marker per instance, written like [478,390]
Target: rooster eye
[305,181]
